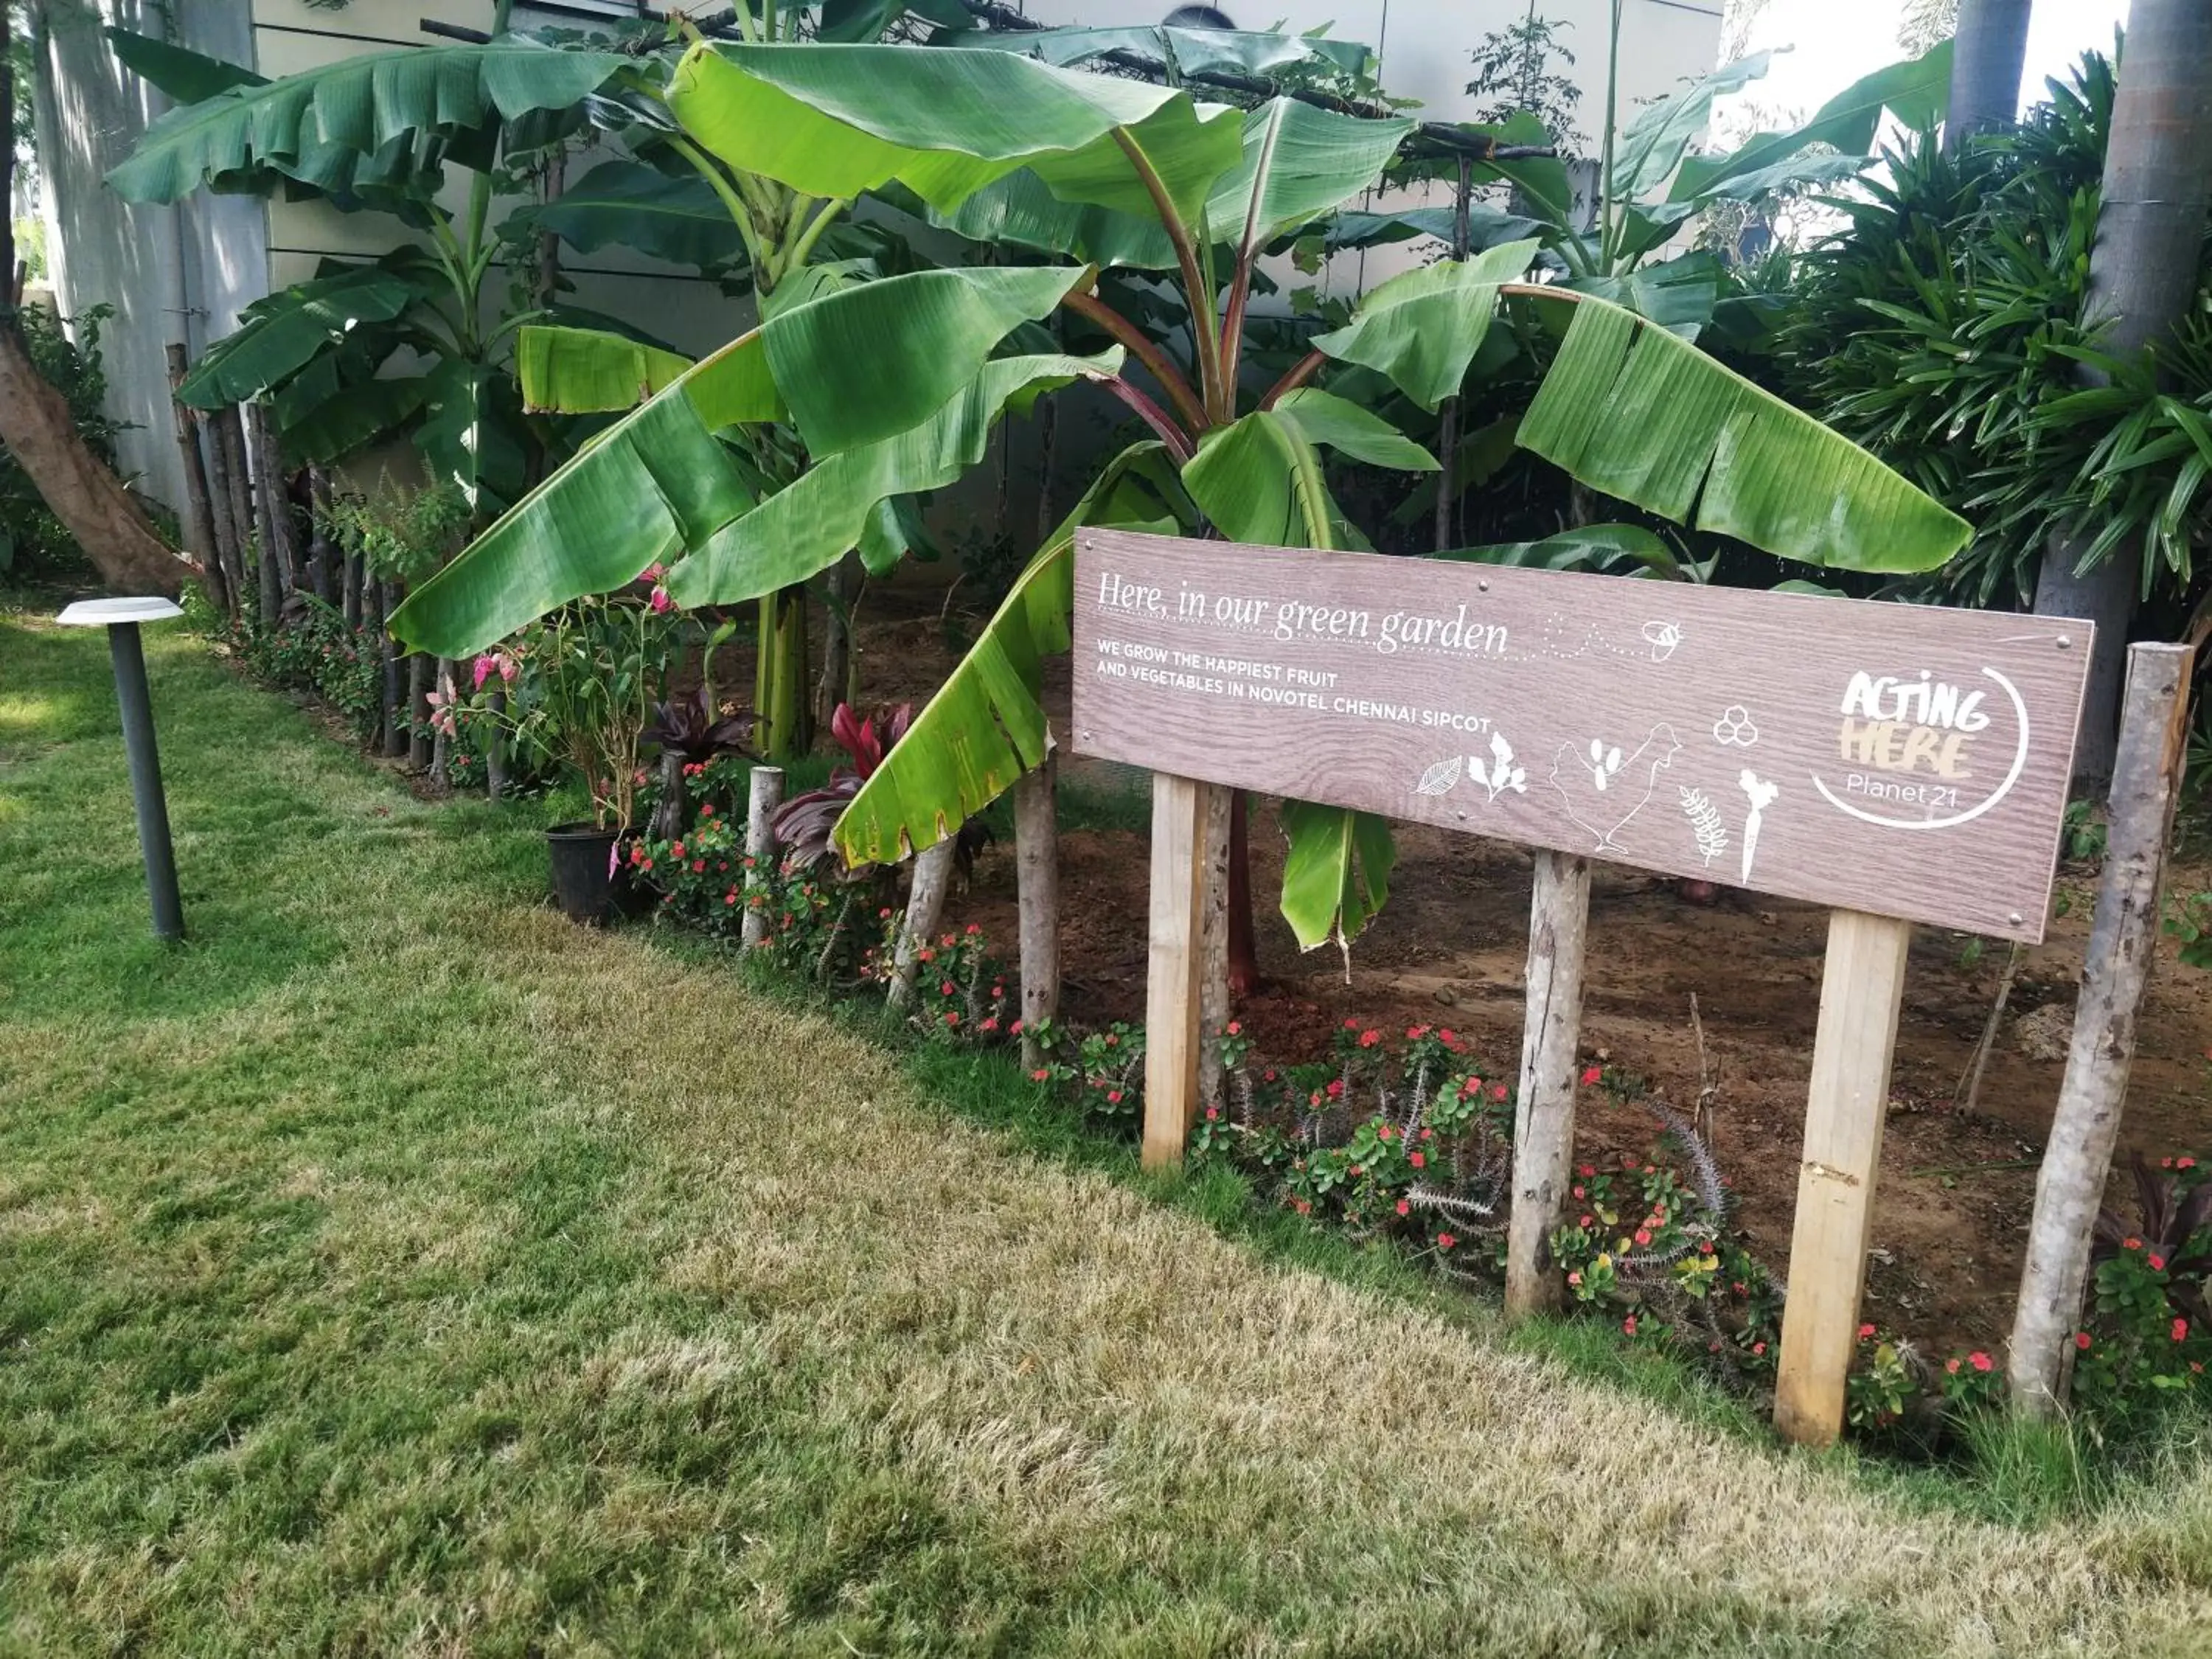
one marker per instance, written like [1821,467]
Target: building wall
[178,273]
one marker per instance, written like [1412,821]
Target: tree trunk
[1987,55]
[2143,273]
[230,538]
[763,795]
[199,513]
[925,904]
[1243,939]
[280,553]
[2123,943]
[76,486]
[1037,873]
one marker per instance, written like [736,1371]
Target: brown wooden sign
[1904,760]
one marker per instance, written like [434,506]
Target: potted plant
[588,678]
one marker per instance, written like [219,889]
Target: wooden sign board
[1904,760]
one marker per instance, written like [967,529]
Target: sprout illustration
[1705,823]
[1501,774]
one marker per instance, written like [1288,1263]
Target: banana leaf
[278,336]
[1591,547]
[1336,875]
[1020,210]
[323,125]
[808,525]
[581,371]
[624,204]
[1191,51]
[182,76]
[1653,144]
[1631,410]
[1422,328]
[1485,228]
[837,120]
[986,725]
[1307,161]
[1322,418]
[355,414]
[1258,480]
[1678,294]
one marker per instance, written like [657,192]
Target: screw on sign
[1896,764]
[121,618]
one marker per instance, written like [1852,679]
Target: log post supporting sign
[2146,774]
[1215,804]
[763,795]
[1175,966]
[1861,990]
[1543,1115]
[1891,763]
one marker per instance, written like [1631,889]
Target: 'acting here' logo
[1914,751]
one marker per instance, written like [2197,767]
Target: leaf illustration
[1440,777]
[1501,749]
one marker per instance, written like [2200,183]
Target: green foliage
[315,651]
[33,544]
[1513,70]
[1945,330]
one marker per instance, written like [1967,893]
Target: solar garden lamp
[121,618]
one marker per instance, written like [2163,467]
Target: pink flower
[1445,1241]
[1629,1324]
[1865,1332]
[482,670]
[659,601]
[1404,1208]
[1368,1039]
[1574,1278]
[1235,1028]
[2157,1263]
[1759,1347]
[1642,1237]
[1040,1074]
[1980,1362]
[1952,1366]
[1590,1074]
[2081,1340]
[1417,1159]
[2180,1329]
[1498,1091]
[652,573]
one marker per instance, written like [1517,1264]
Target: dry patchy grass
[401,1270]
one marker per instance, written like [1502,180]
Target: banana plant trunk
[2143,274]
[780,690]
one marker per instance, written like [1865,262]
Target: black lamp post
[121,618]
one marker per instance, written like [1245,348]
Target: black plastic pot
[583,882]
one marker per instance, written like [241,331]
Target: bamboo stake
[1036,875]
[925,904]
[199,511]
[2146,776]
[1172,987]
[1544,1116]
[1970,1080]
[1861,992]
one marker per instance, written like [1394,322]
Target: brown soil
[1956,1188]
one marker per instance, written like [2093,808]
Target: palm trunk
[1986,57]
[780,680]
[2142,274]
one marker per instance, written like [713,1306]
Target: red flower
[1404,1208]
[1629,1324]
[1579,1192]
[1585,1221]
[1415,1033]
[1445,1241]
[1952,1366]
[946,988]
[1352,1026]
[952,1020]
[1417,1159]
[730,897]
[1759,1347]
[1590,1074]
[2180,1329]
[1498,1091]
[1865,1331]
[1336,1087]
[676,851]
[2184,1164]
[1979,1361]
[1112,1097]
[2157,1264]
[1040,1074]
[1015,1030]
[1235,1028]
[1368,1039]
[990,1024]
[1586,1171]
[1386,1132]
[1212,1113]
[1642,1237]
[2081,1340]
[1574,1278]
[1447,1039]
[975,927]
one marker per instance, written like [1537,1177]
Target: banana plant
[893,384]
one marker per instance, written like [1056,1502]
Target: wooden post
[371,638]
[199,511]
[322,552]
[421,668]
[228,431]
[925,904]
[668,813]
[268,508]
[1172,988]
[1214,803]
[1544,1116]
[1861,990]
[764,794]
[2146,776]
[1036,876]
[395,675]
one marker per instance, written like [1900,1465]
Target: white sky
[1834,42]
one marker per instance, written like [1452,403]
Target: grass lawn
[397,1269]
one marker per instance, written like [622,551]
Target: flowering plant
[586,679]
